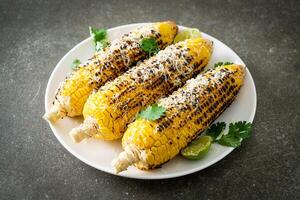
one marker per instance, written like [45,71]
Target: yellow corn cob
[108,111]
[107,65]
[189,111]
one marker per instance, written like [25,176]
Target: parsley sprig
[99,37]
[75,64]
[150,46]
[218,64]
[237,132]
[216,129]
[152,112]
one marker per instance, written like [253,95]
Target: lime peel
[198,148]
[190,33]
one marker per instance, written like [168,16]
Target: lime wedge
[198,148]
[190,33]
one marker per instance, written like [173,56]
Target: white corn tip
[77,134]
[55,113]
[124,160]
[87,129]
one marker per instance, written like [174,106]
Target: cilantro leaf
[240,129]
[152,112]
[149,45]
[237,132]
[75,64]
[101,45]
[99,37]
[98,34]
[218,64]
[216,129]
[230,140]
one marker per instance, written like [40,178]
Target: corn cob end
[86,130]
[55,113]
[168,30]
[77,135]
[125,159]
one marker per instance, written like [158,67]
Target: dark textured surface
[34,35]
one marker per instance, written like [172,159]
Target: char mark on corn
[189,111]
[106,65]
[117,102]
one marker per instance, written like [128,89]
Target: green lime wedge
[190,33]
[198,148]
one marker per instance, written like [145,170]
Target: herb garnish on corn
[108,111]
[106,65]
[189,111]
[76,63]
[152,112]
[99,37]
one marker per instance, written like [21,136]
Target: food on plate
[190,110]
[100,37]
[237,132]
[198,148]
[75,64]
[189,33]
[106,65]
[108,111]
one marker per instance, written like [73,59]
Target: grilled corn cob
[107,65]
[108,111]
[189,111]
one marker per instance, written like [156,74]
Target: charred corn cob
[108,111]
[107,65]
[189,111]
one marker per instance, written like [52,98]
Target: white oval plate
[99,154]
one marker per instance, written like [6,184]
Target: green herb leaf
[216,129]
[218,64]
[149,45]
[152,112]
[240,129]
[230,140]
[101,45]
[99,37]
[237,132]
[75,64]
[98,34]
